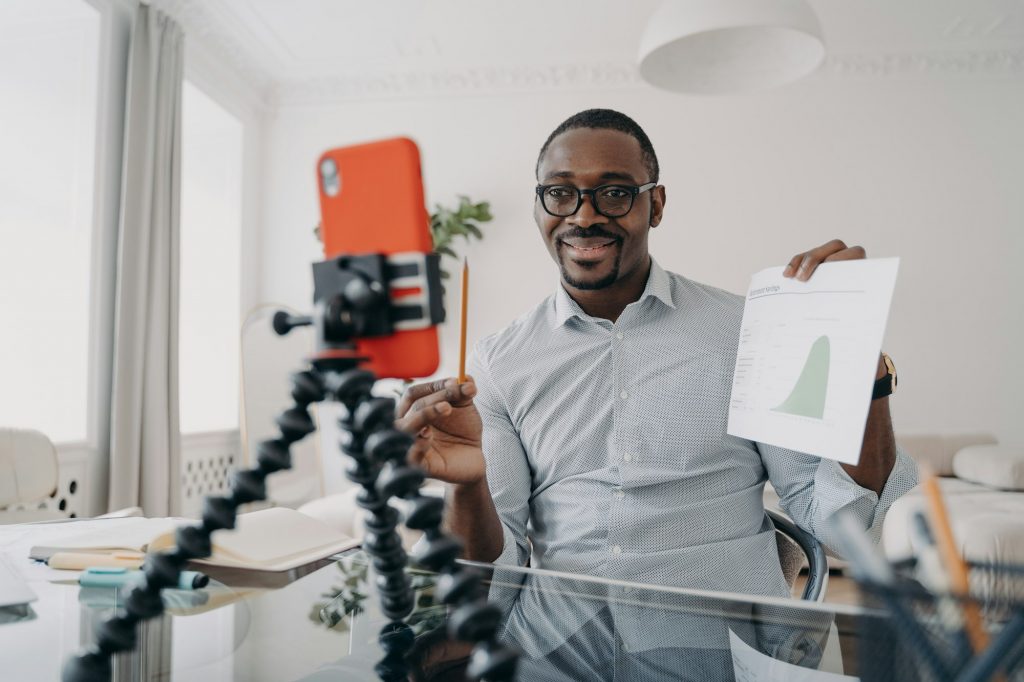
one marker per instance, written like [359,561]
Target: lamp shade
[729,46]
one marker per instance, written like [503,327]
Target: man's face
[594,251]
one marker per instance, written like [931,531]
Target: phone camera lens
[329,177]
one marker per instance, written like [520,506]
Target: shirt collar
[658,286]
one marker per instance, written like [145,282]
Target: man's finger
[852,253]
[449,389]
[416,419]
[813,258]
[417,391]
[447,396]
[793,264]
[463,394]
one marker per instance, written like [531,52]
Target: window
[49,60]
[211,226]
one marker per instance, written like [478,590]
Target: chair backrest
[267,362]
[28,466]
[795,546]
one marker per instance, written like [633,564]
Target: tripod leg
[119,633]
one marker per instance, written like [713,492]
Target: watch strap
[883,387]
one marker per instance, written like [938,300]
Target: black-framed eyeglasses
[611,201]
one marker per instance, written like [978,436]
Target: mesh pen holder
[917,635]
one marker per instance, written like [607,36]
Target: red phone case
[377,206]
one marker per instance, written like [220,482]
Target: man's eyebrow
[612,175]
[609,175]
[559,175]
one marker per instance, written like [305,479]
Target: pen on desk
[79,561]
[462,328]
[107,576]
[956,569]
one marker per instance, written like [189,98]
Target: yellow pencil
[955,566]
[462,330]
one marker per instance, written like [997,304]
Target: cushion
[996,466]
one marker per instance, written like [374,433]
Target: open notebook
[276,539]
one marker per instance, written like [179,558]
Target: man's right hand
[448,430]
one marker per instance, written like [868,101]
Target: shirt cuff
[837,491]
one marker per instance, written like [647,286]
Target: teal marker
[111,576]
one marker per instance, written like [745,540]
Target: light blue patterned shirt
[606,447]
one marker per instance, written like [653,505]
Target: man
[595,430]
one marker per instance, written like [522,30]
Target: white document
[808,354]
[750,665]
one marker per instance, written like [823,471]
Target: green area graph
[807,399]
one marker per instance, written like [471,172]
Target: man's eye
[615,193]
[560,192]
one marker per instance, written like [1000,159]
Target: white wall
[926,168]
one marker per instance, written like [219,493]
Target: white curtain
[144,436]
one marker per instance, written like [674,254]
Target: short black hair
[607,119]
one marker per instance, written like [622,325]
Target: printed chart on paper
[807,357]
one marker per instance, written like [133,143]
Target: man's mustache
[582,233]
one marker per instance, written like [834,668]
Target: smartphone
[371,201]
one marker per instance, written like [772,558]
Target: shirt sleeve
[812,490]
[508,471]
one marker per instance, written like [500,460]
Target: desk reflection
[576,629]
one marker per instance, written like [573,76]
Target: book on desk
[269,541]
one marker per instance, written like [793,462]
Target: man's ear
[657,206]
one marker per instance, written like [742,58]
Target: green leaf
[445,251]
[474,230]
[482,211]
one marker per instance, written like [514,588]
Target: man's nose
[587,216]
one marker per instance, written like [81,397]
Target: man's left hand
[802,265]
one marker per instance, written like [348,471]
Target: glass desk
[326,625]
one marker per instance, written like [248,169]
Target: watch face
[889,365]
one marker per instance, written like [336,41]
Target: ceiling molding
[204,24]
[982,63]
[461,81]
[489,80]
[238,47]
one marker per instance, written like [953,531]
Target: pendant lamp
[730,46]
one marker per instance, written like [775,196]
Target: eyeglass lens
[610,201]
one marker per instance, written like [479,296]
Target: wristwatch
[887,384]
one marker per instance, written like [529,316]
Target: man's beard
[590,285]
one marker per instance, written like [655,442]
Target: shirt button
[619,494]
[616,549]
[627,457]
[624,395]
[619,336]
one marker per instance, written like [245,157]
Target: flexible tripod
[351,301]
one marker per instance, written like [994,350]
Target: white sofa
[983,487]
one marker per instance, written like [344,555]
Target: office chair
[796,545]
[28,476]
